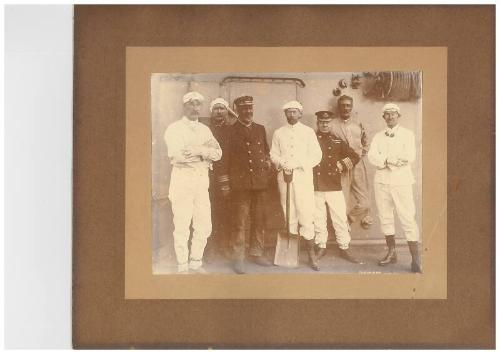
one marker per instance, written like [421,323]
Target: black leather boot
[320,252]
[391,256]
[415,257]
[313,260]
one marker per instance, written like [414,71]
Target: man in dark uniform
[338,157]
[219,182]
[248,167]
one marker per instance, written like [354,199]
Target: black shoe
[415,267]
[239,267]
[415,257]
[347,255]
[313,260]
[320,253]
[391,256]
[260,260]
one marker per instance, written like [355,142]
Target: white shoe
[182,269]
[199,270]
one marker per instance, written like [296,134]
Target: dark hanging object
[355,81]
[342,84]
[336,92]
[400,86]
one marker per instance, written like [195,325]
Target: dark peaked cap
[324,115]
[244,100]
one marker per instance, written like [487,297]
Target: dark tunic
[326,174]
[219,176]
[248,157]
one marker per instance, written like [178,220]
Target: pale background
[38,162]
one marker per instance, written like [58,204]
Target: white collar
[293,127]
[188,122]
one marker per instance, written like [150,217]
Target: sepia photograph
[278,173]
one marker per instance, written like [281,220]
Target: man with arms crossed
[191,149]
[392,151]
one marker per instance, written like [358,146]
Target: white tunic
[296,147]
[400,146]
[393,184]
[188,191]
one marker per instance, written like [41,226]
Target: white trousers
[400,198]
[188,193]
[301,202]
[335,202]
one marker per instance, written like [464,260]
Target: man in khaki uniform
[355,183]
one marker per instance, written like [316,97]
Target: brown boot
[313,260]
[415,257]
[391,256]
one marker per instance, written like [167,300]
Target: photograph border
[141,283]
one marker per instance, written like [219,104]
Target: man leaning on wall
[355,182]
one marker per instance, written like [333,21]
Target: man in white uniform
[392,151]
[296,148]
[191,149]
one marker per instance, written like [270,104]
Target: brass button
[249,160]
[330,173]
[249,152]
[251,169]
[258,143]
[329,156]
[329,148]
[248,143]
[319,173]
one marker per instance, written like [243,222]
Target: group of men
[221,173]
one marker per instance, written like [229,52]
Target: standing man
[219,180]
[355,182]
[191,149]
[248,167]
[392,151]
[337,158]
[295,150]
